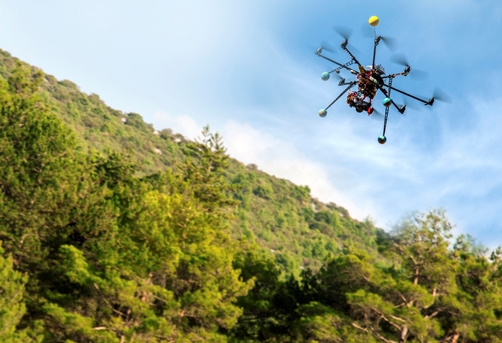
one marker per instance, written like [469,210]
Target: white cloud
[282,159]
[182,123]
[250,62]
[274,156]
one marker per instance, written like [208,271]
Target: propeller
[336,75]
[343,31]
[346,33]
[441,95]
[377,115]
[415,74]
[328,47]
[438,95]
[324,46]
[390,42]
[413,104]
[408,103]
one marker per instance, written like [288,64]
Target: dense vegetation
[281,217]
[102,244]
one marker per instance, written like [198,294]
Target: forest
[111,231]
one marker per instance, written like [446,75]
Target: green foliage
[104,239]
[40,173]
[12,306]
[281,215]
[111,256]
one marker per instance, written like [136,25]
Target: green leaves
[12,306]
[101,249]
[110,256]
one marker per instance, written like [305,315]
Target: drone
[369,80]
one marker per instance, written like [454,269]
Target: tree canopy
[105,244]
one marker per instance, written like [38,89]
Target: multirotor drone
[369,80]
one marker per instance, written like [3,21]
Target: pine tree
[12,307]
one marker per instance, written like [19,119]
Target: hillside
[106,244]
[281,217]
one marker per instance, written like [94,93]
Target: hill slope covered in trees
[98,245]
[281,217]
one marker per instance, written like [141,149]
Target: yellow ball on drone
[373,21]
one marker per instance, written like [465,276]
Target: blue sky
[248,69]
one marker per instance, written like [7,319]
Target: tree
[12,307]
[204,172]
[428,293]
[161,271]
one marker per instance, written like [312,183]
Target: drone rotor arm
[344,47]
[350,85]
[339,64]
[377,40]
[411,96]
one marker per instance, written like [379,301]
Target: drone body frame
[372,79]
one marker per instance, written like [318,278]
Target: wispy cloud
[246,69]
[281,158]
[272,155]
[183,124]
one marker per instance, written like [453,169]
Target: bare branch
[398,319]
[432,315]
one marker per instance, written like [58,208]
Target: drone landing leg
[382,139]
[385,120]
